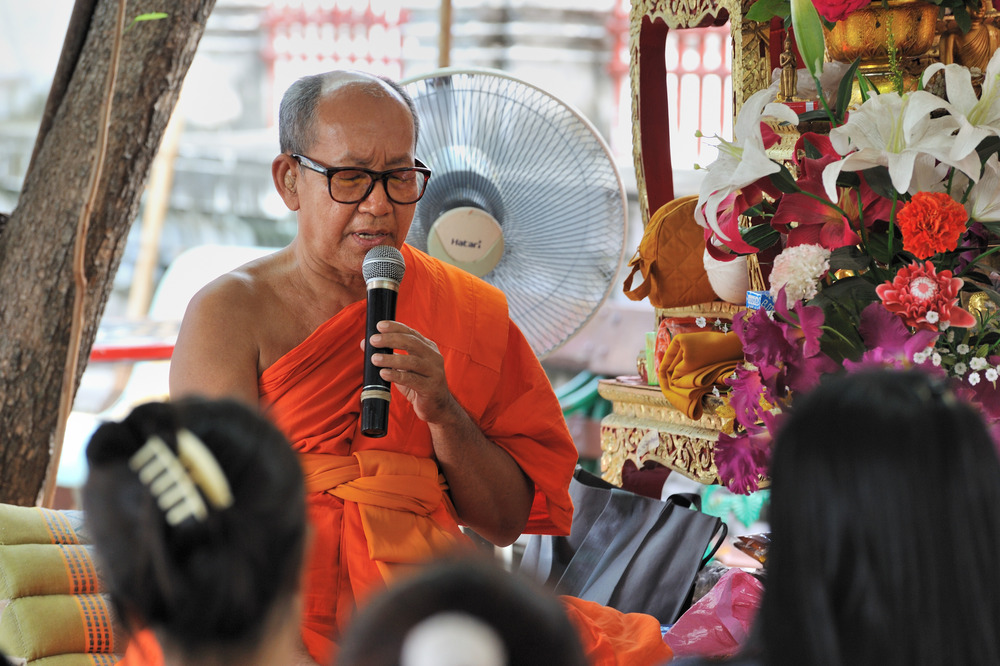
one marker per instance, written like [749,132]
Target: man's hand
[418,372]
[488,488]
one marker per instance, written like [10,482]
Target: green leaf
[784,180]
[765,10]
[761,236]
[962,18]
[987,147]
[878,246]
[849,258]
[808,30]
[879,181]
[842,303]
[815,114]
[812,152]
[866,88]
[844,91]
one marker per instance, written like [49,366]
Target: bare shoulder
[223,330]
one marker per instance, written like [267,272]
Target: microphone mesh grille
[383,262]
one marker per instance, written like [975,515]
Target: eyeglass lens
[403,186]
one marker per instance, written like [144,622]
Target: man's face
[353,128]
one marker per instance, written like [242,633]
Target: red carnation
[932,222]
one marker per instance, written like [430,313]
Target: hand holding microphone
[383,269]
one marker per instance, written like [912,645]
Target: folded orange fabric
[694,364]
[396,494]
[613,638]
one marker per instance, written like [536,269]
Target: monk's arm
[215,355]
[491,493]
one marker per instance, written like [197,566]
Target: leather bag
[627,551]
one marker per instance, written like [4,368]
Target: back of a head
[469,612]
[885,519]
[202,580]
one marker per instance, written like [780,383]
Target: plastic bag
[718,624]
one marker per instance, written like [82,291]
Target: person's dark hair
[201,583]
[297,111]
[885,520]
[530,622]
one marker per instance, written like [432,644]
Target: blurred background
[211,183]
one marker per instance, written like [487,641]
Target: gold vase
[866,33]
[908,25]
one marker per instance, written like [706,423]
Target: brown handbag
[671,258]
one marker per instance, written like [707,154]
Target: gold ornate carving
[711,311]
[750,68]
[643,426]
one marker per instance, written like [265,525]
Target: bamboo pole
[444,34]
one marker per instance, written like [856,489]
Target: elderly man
[476,435]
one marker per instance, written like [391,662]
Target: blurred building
[253,49]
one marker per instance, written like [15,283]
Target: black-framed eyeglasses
[348,185]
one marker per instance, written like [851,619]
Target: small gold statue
[789,84]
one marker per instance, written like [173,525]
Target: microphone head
[383,262]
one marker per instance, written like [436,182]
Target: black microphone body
[383,269]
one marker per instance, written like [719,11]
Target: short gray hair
[297,112]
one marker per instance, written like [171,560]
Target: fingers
[393,335]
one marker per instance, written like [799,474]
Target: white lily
[892,130]
[983,204]
[978,115]
[742,161]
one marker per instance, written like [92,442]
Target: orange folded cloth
[695,363]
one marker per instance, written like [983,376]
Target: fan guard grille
[544,173]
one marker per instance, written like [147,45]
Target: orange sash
[396,495]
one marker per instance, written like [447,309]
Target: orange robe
[313,394]
[379,505]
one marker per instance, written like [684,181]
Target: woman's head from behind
[885,518]
[196,510]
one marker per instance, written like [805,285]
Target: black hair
[297,111]
[530,621]
[885,519]
[199,584]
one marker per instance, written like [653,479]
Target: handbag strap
[687,500]
[721,532]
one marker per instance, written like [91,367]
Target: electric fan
[524,194]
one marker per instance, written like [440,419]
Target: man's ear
[285,172]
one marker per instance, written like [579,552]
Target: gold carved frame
[649,21]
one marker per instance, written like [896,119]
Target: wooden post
[444,35]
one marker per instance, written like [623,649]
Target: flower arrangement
[876,241]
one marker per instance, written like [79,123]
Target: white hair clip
[174,480]
[452,639]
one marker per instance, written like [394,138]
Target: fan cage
[544,173]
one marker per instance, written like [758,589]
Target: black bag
[627,551]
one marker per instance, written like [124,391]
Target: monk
[476,436]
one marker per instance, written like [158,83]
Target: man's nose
[377,202]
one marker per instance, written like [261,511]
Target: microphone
[383,270]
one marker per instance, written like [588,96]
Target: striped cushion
[56,615]
[53,624]
[29,524]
